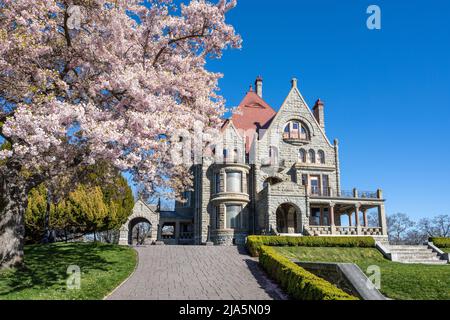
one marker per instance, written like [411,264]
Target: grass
[445,249]
[103,268]
[398,281]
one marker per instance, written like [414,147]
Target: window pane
[233,216]
[234,182]
[325,185]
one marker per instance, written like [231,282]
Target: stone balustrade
[344,231]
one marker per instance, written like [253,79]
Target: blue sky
[387,92]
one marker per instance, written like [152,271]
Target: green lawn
[398,281]
[103,268]
[445,249]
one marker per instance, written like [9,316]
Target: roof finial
[251,88]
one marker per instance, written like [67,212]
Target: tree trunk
[12,224]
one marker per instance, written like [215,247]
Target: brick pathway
[196,273]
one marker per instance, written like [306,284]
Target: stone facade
[279,175]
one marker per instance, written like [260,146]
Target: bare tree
[438,226]
[372,219]
[442,225]
[398,226]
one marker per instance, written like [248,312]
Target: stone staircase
[414,254]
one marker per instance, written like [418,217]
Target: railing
[186,235]
[294,135]
[319,230]
[345,194]
[348,231]
[368,194]
[353,194]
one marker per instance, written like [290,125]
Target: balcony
[315,191]
[295,137]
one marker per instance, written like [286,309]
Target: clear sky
[387,92]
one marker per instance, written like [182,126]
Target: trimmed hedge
[296,281]
[441,242]
[254,243]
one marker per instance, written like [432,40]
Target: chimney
[319,113]
[259,86]
[294,82]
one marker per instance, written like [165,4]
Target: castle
[280,175]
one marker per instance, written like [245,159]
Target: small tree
[102,202]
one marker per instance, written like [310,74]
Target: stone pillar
[321,216]
[382,220]
[177,231]
[357,215]
[366,223]
[331,212]
[358,225]
[158,233]
[350,223]
[123,237]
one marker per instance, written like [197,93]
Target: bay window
[233,216]
[234,182]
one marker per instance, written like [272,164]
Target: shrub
[296,281]
[441,242]
[254,243]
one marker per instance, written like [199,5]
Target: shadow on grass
[46,266]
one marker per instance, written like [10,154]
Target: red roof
[253,113]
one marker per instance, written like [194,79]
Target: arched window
[311,156]
[295,130]
[302,155]
[321,157]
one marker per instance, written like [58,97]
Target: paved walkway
[196,273]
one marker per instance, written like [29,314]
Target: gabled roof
[252,114]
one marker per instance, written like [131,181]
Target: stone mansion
[280,176]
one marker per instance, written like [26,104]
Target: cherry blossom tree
[96,80]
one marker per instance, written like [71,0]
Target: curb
[128,278]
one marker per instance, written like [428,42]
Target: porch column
[358,227]
[350,223]
[382,220]
[321,216]
[158,233]
[177,231]
[364,211]
[331,212]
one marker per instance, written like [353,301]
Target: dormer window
[295,130]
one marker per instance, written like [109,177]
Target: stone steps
[414,254]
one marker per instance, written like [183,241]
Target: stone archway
[287,218]
[136,223]
[142,212]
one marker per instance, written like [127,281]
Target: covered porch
[347,216]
